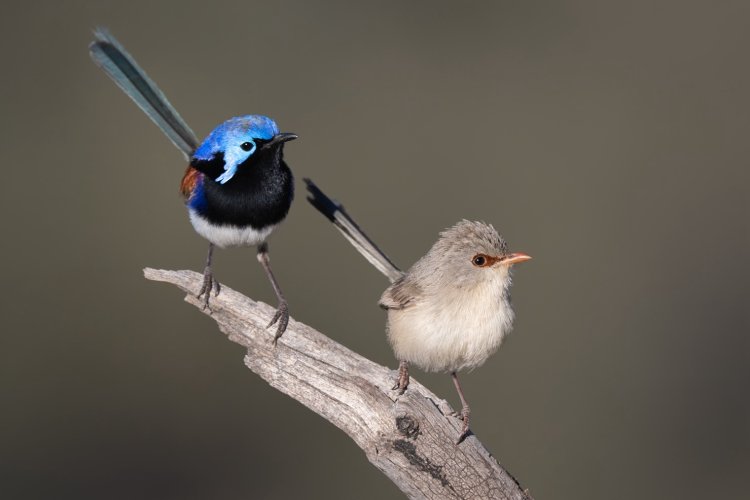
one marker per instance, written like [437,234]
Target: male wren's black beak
[279,138]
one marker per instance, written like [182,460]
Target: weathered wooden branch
[410,438]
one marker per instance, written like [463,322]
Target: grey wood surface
[410,438]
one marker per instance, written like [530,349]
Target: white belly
[228,236]
[452,333]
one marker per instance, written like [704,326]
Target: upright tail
[112,57]
[335,213]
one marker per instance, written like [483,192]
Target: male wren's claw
[402,382]
[209,283]
[282,316]
[282,312]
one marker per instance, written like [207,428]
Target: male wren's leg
[282,311]
[465,412]
[209,282]
[402,382]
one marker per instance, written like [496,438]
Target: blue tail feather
[108,54]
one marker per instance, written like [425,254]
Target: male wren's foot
[209,283]
[282,311]
[282,317]
[402,382]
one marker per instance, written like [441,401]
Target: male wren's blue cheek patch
[228,137]
[233,157]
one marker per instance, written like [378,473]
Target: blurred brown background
[607,139]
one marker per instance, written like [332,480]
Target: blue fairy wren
[451,310]
[237,187]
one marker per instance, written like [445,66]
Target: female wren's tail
[237,187]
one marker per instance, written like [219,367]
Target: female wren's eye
[479,260]
[246,146]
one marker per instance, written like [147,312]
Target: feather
[189,181]
[401,294]
[109,55]
[335,213]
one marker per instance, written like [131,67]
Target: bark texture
[410,438]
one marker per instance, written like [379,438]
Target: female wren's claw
[464,416]
[402,382]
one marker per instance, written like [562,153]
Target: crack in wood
[409,450]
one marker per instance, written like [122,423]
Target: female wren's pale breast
[454,330]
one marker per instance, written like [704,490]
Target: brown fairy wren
[451,310]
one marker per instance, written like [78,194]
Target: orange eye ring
[482,260]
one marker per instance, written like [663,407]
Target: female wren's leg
[209,282]
[282,311]
[465,412]
[402,382]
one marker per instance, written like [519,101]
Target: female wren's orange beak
[514,258]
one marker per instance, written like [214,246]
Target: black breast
[258,195]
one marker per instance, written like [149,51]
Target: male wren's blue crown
[237,187]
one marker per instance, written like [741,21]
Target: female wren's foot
[402,382]
[465,412]
[464,416]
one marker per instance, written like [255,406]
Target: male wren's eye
[246,146]
[479,260]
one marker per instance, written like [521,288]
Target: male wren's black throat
[258,195]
